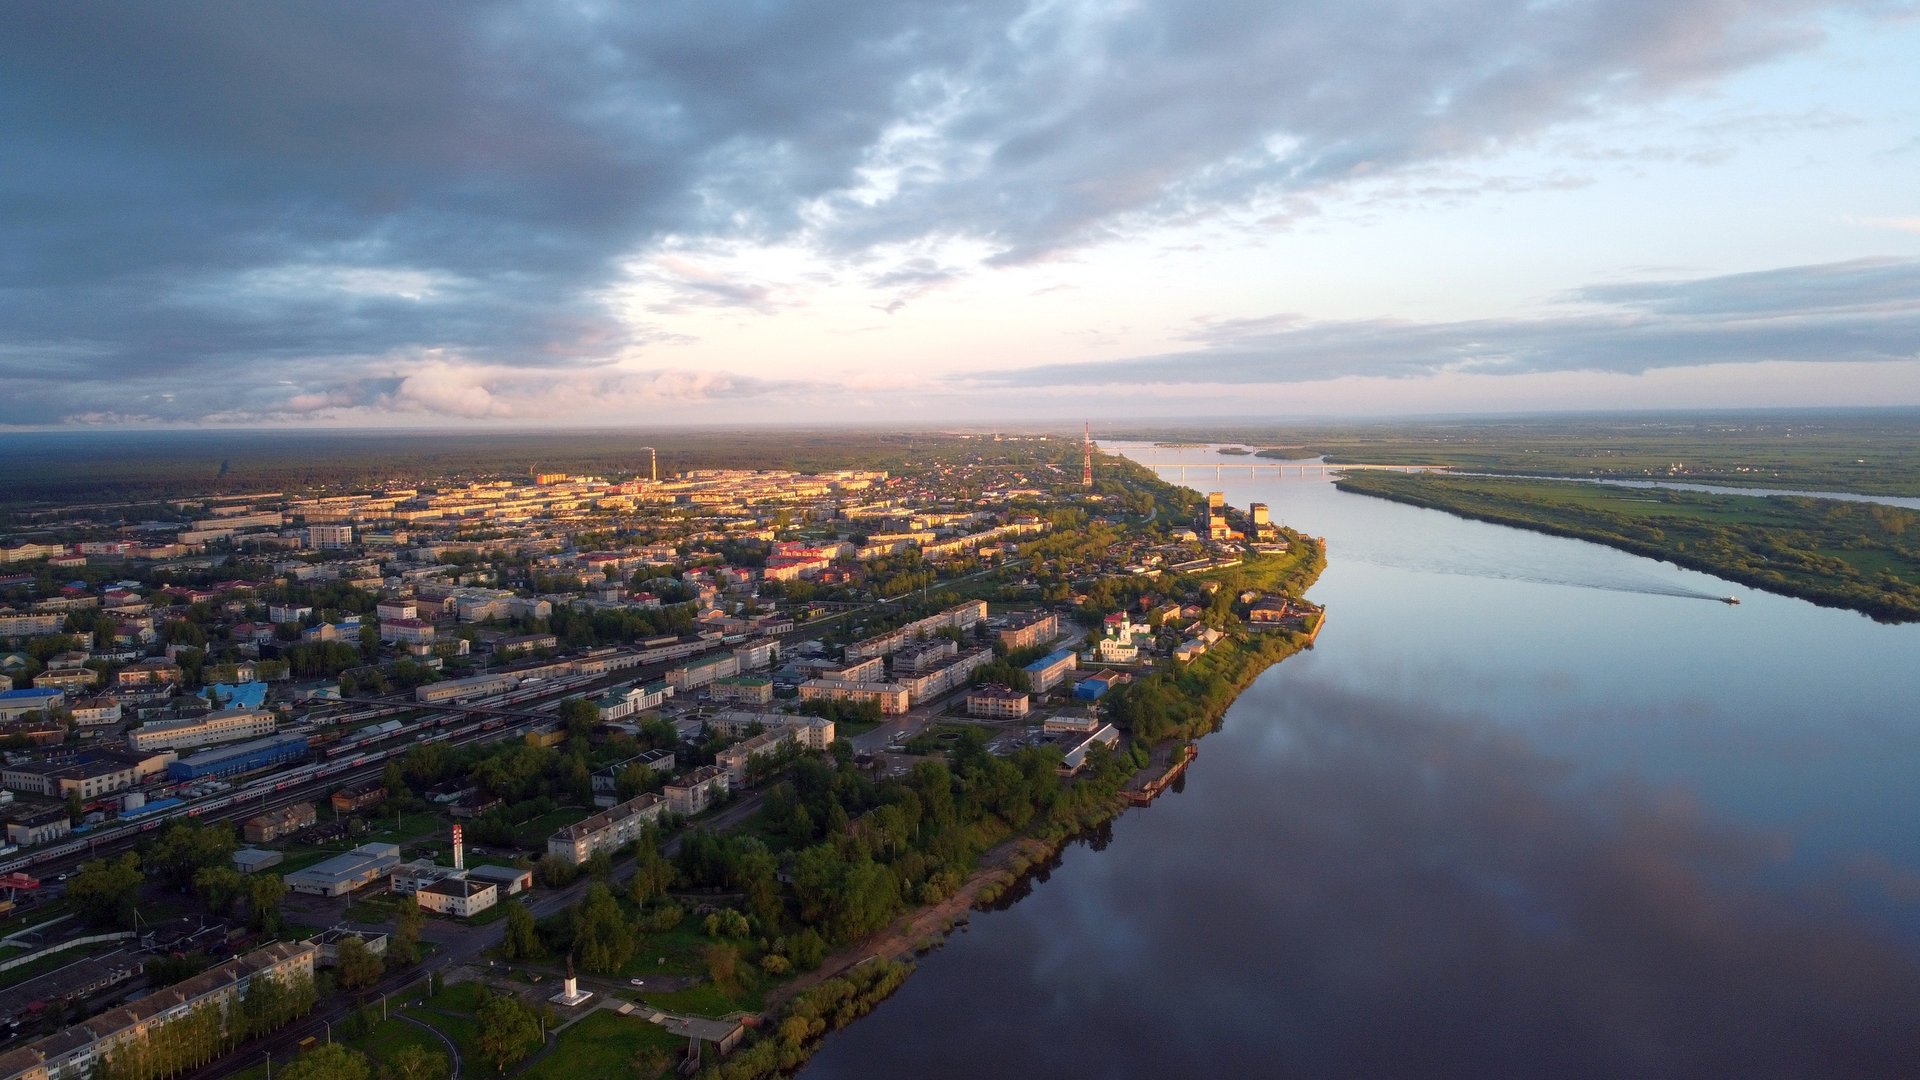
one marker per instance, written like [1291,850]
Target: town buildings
[214,727]
[76,1052]
[997,703]
[608,831]
[1051,670]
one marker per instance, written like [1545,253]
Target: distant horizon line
[983,426]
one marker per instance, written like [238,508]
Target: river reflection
[1486,829]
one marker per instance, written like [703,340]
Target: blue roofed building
[16,703]
[1051,670]
[243,758]
[246,695]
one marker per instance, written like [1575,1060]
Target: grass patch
[409,826]
[602,1047]
[45,912]
[378,909]
[679,948]
[534,833]
[16,976]
[707,1000]
[388,1037]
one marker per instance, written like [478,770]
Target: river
[1530,808]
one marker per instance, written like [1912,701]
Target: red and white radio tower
[1086,455]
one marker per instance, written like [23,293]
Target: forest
[1856,555]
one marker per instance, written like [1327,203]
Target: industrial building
[346,872]
[253,860]
[244,758]
[511,880]
[459,896]
[39,827]
[17,703]
[440,693]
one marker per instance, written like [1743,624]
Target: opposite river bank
[1524,810]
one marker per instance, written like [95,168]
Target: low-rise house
[352,800]
[274,824]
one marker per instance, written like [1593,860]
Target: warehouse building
[244,758]
[463,897]
[346,872]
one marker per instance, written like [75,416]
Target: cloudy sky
[588,213]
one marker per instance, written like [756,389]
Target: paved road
[452,1050]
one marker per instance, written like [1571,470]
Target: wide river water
[1530,808]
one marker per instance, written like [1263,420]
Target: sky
[560,214]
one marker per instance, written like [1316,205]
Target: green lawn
[602,1047]
[409,826]
[707,1000]
[679,948]
[534,833]
[451,1011]
[16,976]
[389,1036]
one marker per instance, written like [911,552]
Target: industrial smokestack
[459,852]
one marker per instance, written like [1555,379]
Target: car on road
[637,982]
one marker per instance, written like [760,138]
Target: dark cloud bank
[232,210]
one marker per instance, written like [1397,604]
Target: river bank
[1855,556]
[1213,682]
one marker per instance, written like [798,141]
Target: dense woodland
[1863,556]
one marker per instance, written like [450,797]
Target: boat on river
[1730,600]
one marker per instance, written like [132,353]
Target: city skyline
[370,217]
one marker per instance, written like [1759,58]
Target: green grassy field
[1861,556]
[603,1046]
